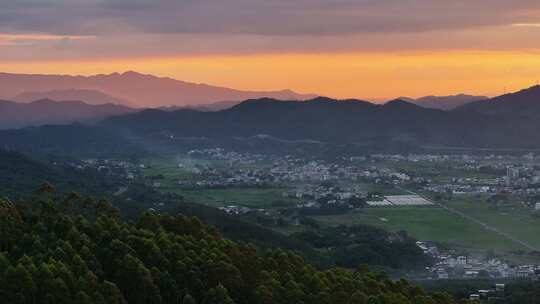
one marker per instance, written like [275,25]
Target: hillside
[72,252]
[522,104]
[136,89]
[74,140]
[46,111]
[506,122]
[320,119]
[495,123]
[18,173]
[445,102]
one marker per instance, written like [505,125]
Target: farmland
[437,224]
[287,189]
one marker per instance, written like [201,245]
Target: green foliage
[351,246]
[81,257]
[18,173]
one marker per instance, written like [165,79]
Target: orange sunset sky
[373,50]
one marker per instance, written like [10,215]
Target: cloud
[56,29]
[526,24]
[259,17]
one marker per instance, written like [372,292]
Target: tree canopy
[53,252]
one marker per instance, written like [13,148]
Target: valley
[317,193]
[269,152]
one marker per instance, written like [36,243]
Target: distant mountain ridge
[322,119]
[211,107]
[507,122]
[445,102]
[46,111]
[91,97]
[524,103]
[136,89]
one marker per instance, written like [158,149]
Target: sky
[369,49]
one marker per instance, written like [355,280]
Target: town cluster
[452,265]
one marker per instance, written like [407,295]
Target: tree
[19,285]
[136,282]
[10,225]
[358,298]
[60,292]
[188,299]
[82,298]
[111,293]
[218,295]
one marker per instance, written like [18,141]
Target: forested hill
[509,121]
[46,111]
[365,245]
[320,125]
[73,140]
[18,173]
[65,253]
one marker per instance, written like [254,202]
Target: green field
[436,224]
[423,223]
[515,220]
[249,197]
[431,223]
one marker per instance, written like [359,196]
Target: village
[452,265]
[304,189]
[316,181]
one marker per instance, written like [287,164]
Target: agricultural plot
[247,197]
[408,200]
[434,223]
[383,203]
[400,200]
[514,220]
[425,223]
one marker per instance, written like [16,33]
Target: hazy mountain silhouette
[519,105]
[509,121]
[46,111]
[444,102]
[136,89]
[211,107]
[92,97]
[497,123]
[321,119]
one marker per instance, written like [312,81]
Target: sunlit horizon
[370,76]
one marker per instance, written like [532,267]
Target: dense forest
[75,250]
[350,246]
[18,173]
[345,247]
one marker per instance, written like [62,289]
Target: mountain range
[510,121]
[46,111]
[131,89]
[444,102]
[91,97]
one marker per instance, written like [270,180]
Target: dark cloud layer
[259,17]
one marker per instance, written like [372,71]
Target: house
[461,260]
[442,274]
[470,274]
